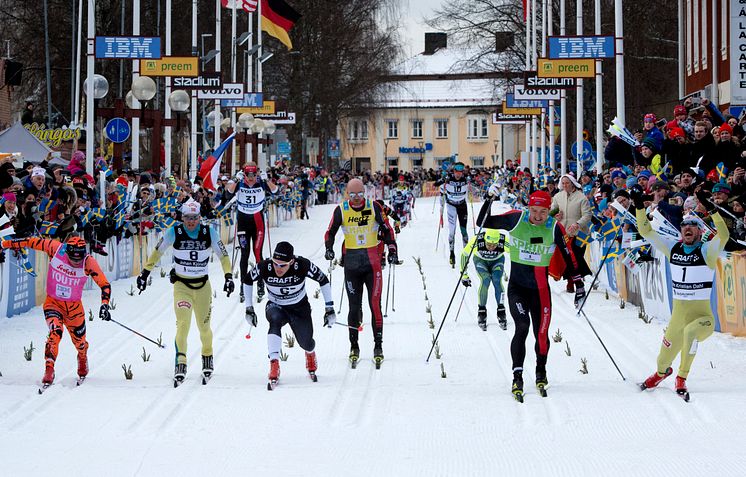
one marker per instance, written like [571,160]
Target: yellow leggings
[187,301]
[691,323]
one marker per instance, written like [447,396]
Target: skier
[454,191]
[69,269]
[534,235]
[489,262]
[361,220]
[193,244]
[285,276]
[251,194]
[692,272]
[400,202]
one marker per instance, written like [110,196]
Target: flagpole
[76,110]
[218,31]
[563,103]
[167,130]
[550,31]
[259,84]
[194,112]
[135,163]
[619,38]
[90,71]
[527,19]
[534,122]
[579,98]
[543,155]
[234,47]
[599,98]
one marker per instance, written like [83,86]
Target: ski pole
[248,335]
[233,255]
[266,229]
[440,226]
[393,287]
[604,346]
[388,286]
[359,328]
[138,334]
[461,275]
[341,298]
[459,305]
[473,219]
[435,199]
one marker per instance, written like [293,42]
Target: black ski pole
[341,298]
[388,286]
[461,275]
[604,346]
[460,304]
[393,287]
[138,334]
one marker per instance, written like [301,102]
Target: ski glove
[251,316]
[466,281]
[397,227]
[494,190]
[329,255]
[104,312]
[330,317]
[393,257]
[142,280]
[579,292]
[229,286]
[637,198]
[704,199]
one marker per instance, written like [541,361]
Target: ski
[178,382]
[80,380]
[312,376]
[683,395]
[271,384]
[378,360]
[642,386]
[518,395]
[542,390]
[483,325]
[206,378]
[44,387]
[353,362]
[503,325]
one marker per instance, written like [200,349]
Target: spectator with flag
[574,213]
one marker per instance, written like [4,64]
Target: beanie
[674,133]
[680,109]
[283,252]
[540,198]
[726,127]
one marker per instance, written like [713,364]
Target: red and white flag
[210,168]
[249,6]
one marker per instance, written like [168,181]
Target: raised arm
[48,246]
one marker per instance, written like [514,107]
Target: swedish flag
[98,213]
[46,205]
[611,227]
[612,251]
[26,263]
[722,172]
[48,227]
[582,239]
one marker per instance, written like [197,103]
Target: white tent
[17,139]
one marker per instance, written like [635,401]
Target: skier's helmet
[491,235]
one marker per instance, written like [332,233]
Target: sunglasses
[190,217]
[690,223]
[280,264]
[459,168]
[356,195]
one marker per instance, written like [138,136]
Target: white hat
[38,171]
[190,207]
[572,179]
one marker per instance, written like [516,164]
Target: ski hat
[540,198]
[646,174]
[283,252]
[9,197]
[680,109]
[721,187]
[649,118]
[726,127]
[190,207]
[676,132]
[618,173]
[250,169]
[491,235]
[38,171]
[631,180]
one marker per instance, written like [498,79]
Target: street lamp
[386,152]
[246,121]
[179,102]
[100,86]
[496,142]
[422,153]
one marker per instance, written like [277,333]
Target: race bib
[360,239]
[529,257]
[63,291]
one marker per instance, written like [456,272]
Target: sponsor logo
[520,308]
[358,220]
[183,304]
[666,343]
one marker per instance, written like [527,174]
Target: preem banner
[731,299]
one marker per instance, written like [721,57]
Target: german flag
[277,19]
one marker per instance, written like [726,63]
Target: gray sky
[413,25]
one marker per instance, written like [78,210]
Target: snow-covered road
[402,420]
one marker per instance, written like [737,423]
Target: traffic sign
[513,102]
[587,150]
[118,130]
[283,148]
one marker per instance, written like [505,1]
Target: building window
[392,162]
[416,161]
[417,128]
[477,161]
[392,129]
[440,160]
[357,130]
[477,128]
[441,128]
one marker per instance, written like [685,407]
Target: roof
[17,139]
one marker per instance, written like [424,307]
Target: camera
[661,122]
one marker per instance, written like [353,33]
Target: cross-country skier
[361,220]
[251,195]
[534,235]
[285,276]
[489,261]
[692,272]
[69,268]
[193,244]
[454,191]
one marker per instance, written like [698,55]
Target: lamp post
[100,90]
[179,102]
[496,142]
[386,152]
[422,153]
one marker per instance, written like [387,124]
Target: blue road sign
[572,47]
[587,150]
[511,102]
[249,100]
[128,47]
[283,148]
[118,130]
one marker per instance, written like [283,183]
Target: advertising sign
[546,94]
[280,117]
[249,100]
[205,80]
[502,118]
[229,91]
[514,102]
[170,66]
[737,49]
[532,81]
[566,68]
[566,47]
[127,47]
[53,137]
[267,108]
[332,148]
[520,111]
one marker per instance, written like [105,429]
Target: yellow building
[426,116]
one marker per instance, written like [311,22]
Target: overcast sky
[413,24]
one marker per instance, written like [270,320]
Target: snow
[401,420]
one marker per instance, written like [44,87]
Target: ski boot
[378,355]
[655,379]
[517,388]
[82,368]
[482,318]
[207,368]
[681,388]
[179,374]
[542,383]
[502,321]
[354,355]
[452,259]
[274,374]
[242,297]
[311,365]
[48,373]
[260,291]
